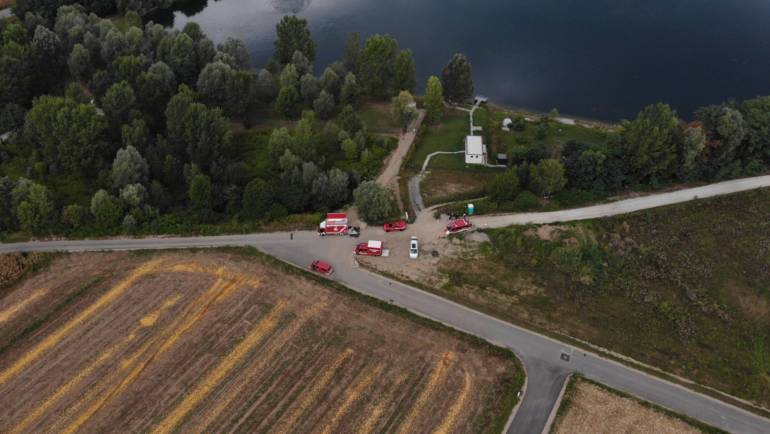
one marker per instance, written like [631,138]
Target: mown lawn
[376,115]
[684,288]
[446,136]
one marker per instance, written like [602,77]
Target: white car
[413,250]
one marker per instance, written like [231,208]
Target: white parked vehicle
[414,251]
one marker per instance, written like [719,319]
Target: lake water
[603,59]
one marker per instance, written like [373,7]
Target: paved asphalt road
[623,206]
[546,370]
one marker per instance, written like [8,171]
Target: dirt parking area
[225,341]
[591,409]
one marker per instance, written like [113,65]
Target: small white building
[507,123]
[475,150]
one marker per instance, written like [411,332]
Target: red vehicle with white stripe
[399,225]
[335,224]
[458,225]
[372,248]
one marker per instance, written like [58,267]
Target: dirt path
[389,176]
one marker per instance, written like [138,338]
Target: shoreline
[579,120]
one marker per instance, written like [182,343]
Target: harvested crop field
[588,408]
[224,341]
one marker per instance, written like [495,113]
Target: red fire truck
[335,224]
[372,248]
[458,225]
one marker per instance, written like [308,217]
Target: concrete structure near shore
[475,150]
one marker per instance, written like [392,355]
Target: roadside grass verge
[682,288]
[601,415]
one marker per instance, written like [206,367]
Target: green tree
[129,167]
[257,197]
[7,215]
[457,79]
[135,134]
[200,130]
[266,87]
[287,104]
[503,187]
[756,114]
[35,212]
[74,216]
[67,132]
[236,51]
[352,52]
[106,209]
[280,141]
[349,121]
[293,35]
[79,62]
[375,203]
[547,177]
[133,195]
[178,52]
[330,81]
[309,87]
[114,45]
[404,109]
[376,66]
[155,87]
[434,100]
[650,142]
[302,63]
[351,91]
[200,192]
[731,129]
[350,148]
[214,84]
[337,189]
[289,76]
[692,145]
[118,103]
[405,75]
[324,105]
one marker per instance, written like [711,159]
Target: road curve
[542,356]
[623,206]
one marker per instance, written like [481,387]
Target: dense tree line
[141,117]
[723,141]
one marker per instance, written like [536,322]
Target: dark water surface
[596,58]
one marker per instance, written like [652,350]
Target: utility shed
[475,151]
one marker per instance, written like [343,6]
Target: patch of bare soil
[595,410]
[213,342]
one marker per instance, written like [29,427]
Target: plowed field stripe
[439,371]
[266,357]
[373,418]
[351,397]
[286,425]
[57,336]
[215,376]
[457,406]
[85,372]
[10,312]
[212,295]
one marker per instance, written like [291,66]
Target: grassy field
[683,288]
[205,341]
[591,408]
[441,186]
[556,134]
[446,136]
[376,115]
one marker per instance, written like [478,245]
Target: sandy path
[389,175]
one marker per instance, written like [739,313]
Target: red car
[372,248]
[458,225]
[322,267]
[399,225]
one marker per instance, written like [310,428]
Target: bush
[375,203]
[74,216]
[106,209]
[526,201]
